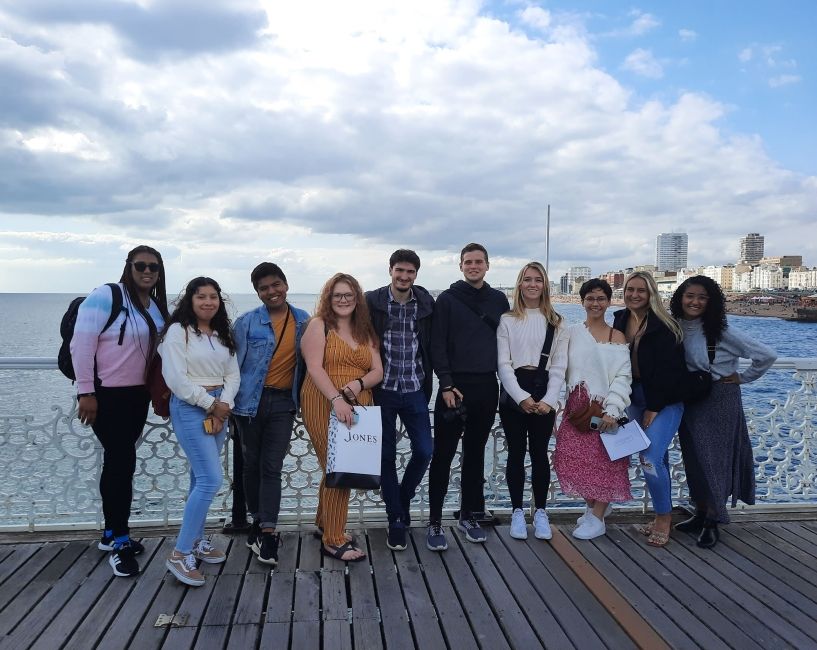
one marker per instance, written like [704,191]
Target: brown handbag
[581,419]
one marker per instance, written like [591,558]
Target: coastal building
[723,275]
[563,285]
[614,278]
[751,248]
[688,272]
[576,275]
[671,251]
[767,276]
[803,278]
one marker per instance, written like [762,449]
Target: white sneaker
[591,527]
[541,524]
[607,512]
[519,528]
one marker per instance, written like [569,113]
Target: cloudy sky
[323,135]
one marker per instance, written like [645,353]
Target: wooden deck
[756,589]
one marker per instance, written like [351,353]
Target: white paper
[625,441]
[355,450]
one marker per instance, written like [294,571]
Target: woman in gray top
[713,434]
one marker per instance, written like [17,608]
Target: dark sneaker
[122,561]
[254,534]
[266,549]
[473,533]
[396,536]
[106,544]
[435,538]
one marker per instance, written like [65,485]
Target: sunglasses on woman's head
[153,267]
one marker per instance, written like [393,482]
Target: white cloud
[326,144]
[642,23]
[643,63]
[784,80]
[687,35]
[536,17]
[745,55]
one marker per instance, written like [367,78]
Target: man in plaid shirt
[401,314]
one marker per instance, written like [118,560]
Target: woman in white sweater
[598,368]
[531,331]
[200,367]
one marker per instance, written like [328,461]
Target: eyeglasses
[343,297]
[153,267]
[599,299]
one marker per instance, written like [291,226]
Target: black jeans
[264,444]
[120,419]
[480,394]
[525,431]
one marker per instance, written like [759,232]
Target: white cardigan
[603,367]
[519,343]
[191,361]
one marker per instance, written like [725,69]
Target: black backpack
[69,320]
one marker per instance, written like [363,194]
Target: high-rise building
[671,251]
[751,248]
[575,273]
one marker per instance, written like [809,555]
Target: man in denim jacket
[268,345]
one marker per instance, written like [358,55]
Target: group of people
[384,347]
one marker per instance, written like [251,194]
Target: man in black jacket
[401,314]
[463,349]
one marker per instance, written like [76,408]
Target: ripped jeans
[655,459]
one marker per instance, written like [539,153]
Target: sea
[30,322]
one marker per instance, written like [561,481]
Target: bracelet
[338,396]
[86,395]
[447,389]
[360,381]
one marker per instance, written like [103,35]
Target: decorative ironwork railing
[49,466]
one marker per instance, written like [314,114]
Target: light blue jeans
[203,451]
[655,459]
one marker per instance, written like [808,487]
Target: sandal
[658,539]
[339,551]
[318,534]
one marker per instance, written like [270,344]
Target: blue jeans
[655,458]
[413,411]
[204,454]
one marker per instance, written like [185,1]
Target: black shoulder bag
[532,380]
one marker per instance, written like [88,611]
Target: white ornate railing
[49,465]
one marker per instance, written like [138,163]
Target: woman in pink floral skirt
[598,368]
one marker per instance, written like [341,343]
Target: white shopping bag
[353,455]
[625,441]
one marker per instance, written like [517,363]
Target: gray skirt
[717,451]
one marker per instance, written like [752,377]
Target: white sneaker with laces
[591,527]
[185,569]
[541,524]
[519,528]
[607,512]
[203,550]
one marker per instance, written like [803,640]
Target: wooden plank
[196,601]
[306,635]
[27,570]
[310,557]
[180,638]
[250,608]
[288,553]
[451,617]
[545,624]
[333,596]
[337,635]
[96,621]
[5,551]
[795,574]
[307,596]
[244,636]
[43,615]
[554,595]
[17,556]
[239,556]
[717,621]
[221,605]
[138,601]
[644,592]
[167,601]
[41,583]
[480,616]
[275,636]
[507,611]
[394,618]
[212,637]
[367,634]
[800,538]
[279,601]
[763,622]
[361,590]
